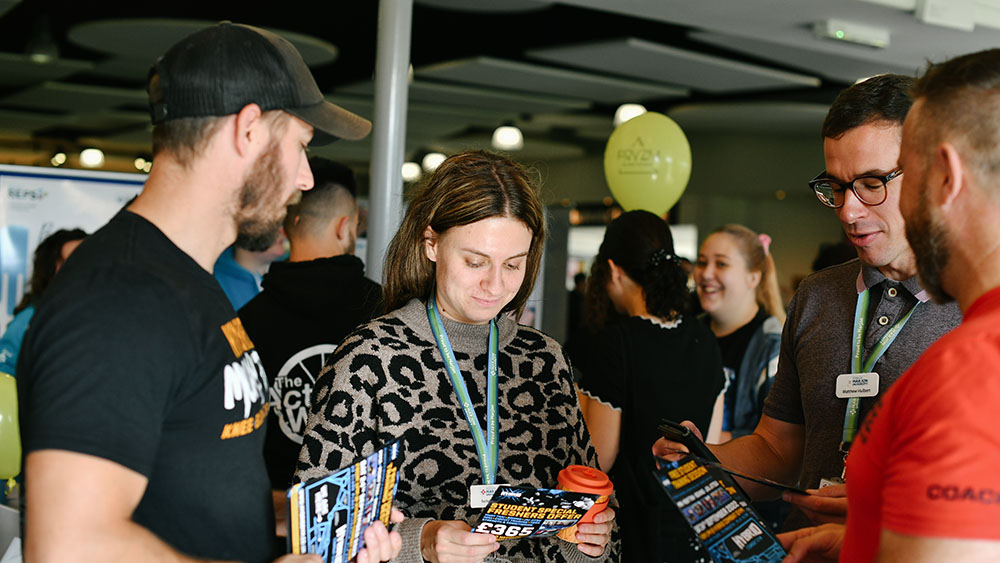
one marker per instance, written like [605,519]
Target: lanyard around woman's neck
[486,446]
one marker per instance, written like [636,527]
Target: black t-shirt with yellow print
[136,356]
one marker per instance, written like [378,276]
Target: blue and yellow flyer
[719,513]
[329,515]
[518,512]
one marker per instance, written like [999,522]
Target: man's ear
[949,163]
[249,128]
[343,227]
[430,244]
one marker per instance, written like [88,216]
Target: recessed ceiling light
[92,158]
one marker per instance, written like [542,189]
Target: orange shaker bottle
[583,479]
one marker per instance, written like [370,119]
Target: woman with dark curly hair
[648,360]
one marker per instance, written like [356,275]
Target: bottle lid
[583,479]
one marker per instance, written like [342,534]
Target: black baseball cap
[220,69]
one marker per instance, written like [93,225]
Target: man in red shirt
[922,477]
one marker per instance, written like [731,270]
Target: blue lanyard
[487,447]
[861,365]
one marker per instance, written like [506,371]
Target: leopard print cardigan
[387,380]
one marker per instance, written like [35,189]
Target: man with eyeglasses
[852,329]
[922,475]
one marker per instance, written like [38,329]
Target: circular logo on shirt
[290,393]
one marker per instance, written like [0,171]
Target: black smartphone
[683,435]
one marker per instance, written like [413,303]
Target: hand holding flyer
[517,512]
[718,512]
[329,516]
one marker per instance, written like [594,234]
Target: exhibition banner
[35,202]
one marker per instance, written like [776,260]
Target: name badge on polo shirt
[830,482]
[480,495]
[851,385]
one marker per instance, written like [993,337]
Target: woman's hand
[593,537]
[380,543]
[444,541]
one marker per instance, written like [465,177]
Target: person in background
[574,304]
[649,361]
[308,305]
[240,271]
[832,254]
[462,263]
[50,255]
[737,287]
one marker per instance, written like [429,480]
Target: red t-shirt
[927,459]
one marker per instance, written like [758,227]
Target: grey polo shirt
[816,348]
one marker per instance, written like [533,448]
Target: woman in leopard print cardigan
[471,240]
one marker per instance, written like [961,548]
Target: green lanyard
[859,366]
[487,447]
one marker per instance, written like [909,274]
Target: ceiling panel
[6,5]
[24,123]
[365,106]
[480,6]
[122,68]
[429,119]
[765,117]
[74,98]
[109,120]
[847,63]
[527,77]
[145,39]
[584,125]
[534,149]
[19,70]
[141,138]
[474,97]
[645,59]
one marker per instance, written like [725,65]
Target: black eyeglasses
[870,189]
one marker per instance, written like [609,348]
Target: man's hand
[380,543]
[673,451]
[594,536]
[813,545]
[823,506]
[445,541]
[280,503]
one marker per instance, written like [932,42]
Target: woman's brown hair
[466,188]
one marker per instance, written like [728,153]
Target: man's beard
[256,230]
[928,238]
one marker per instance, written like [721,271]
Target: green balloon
[10,440]
[647,163]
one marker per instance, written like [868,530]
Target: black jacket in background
[303,312]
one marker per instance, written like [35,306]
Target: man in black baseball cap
[142,397]
[219,70]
